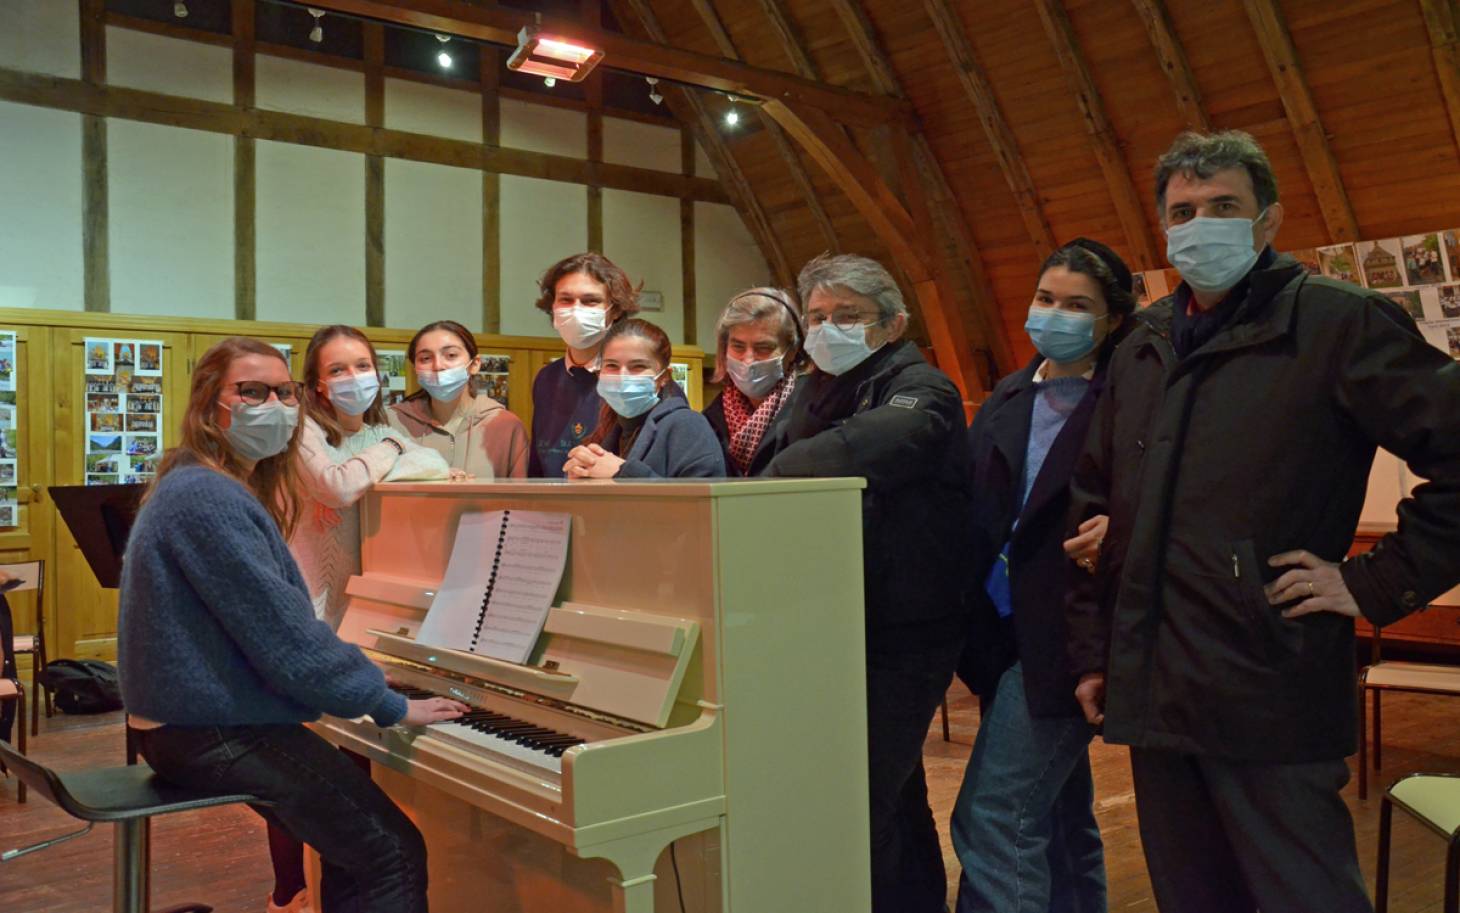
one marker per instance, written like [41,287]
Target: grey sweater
[216,626]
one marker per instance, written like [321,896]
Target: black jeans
[904,689]
[1236,837]
[373,858]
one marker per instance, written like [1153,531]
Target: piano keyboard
[537,748]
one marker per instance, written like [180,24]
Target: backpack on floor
[83,685]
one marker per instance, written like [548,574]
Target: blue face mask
[630,395]
[354,394]
[1213,255]
[443,385]
[1061,336]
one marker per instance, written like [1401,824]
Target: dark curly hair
[623,297]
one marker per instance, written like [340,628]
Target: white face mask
[259,432]
[354,394]
[837,351]
[755,378]
[1212,255]
[581,327]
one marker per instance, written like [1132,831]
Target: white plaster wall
[41,36]
[170,213]
[541,128]
[172,66]
[423,108]
[631,142]
[40,195]
[310,234]
[542,222]
[727,261]
[433,244]
[281,84]
[641,235]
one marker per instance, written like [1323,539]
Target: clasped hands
[590,461]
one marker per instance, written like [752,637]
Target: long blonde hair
[274,481]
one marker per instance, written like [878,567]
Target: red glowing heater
[556,58]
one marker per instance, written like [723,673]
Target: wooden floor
[219,856]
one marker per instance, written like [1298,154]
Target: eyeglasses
[256,392]
[842,320]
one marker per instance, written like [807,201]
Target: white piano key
[486,741]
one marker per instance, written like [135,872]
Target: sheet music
[504,571]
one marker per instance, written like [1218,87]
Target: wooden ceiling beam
[1006,149]
[691,111]
[941,198]
[1318,160]
[780,20]
[797,168]
[1445,48]
[500,25]
[1103,140]
[1172,58]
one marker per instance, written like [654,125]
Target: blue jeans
[1024,822]
[372,858]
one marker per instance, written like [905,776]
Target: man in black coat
[1231,449]
[875,408]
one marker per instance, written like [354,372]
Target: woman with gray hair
[758,348]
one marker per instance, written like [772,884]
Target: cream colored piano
[694,711]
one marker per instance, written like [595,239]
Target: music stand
[100,519]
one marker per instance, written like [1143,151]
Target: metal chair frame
[1452,853]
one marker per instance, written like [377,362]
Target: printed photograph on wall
[1422,261]
[680,373]
[1450,241]
[1449,302]
[1382,263]
[1409,300]
[1338,261]
[124,410]
[493,377]
[149,358]
[1308,256]
[98,356]
[392,366]
[1452,336]
[9,427]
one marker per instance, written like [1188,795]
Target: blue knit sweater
[217,628]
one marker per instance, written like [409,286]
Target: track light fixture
[316,34]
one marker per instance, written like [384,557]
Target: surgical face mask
[755,378]
[1059,335]
[259,432]
[581,327]
[354,394]
[444,384]
[630,395]
[837,351]
[1212,255]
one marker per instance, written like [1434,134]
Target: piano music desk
[710,645]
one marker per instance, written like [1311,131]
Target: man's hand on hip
[1317,583]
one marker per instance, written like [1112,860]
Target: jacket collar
[1265,314]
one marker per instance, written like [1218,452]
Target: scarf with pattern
[748,425]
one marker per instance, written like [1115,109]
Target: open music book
[504,571]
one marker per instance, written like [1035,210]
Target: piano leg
[635,857]
[633,895]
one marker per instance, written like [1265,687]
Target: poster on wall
[680,372]
[492,378]
[285,349]
[9,431]
[123,410]
[391,363]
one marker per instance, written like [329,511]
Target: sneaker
[300,904]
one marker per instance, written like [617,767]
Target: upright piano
[689,733]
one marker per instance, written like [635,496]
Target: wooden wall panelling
[1006,149]
[245,174]
[1103,141]
[31,537]
[1172,58]
[654,57]
[691,110]
[95,224]
[1440,23]
[1318,161]
[784,147]
[984,306]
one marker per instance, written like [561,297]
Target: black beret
[1111,258]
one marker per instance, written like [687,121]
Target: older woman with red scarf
[758,350]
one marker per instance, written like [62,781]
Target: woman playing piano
[646,428]
[222,657]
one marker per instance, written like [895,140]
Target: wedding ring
[1311,594]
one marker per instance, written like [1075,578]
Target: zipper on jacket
[1236,567]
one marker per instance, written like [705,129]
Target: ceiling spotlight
[316,34]
[180,9]
[549,81]
[443,58]
[732,117]
[654,95]
[544,55]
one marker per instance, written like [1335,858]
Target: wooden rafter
[794,165]
[1006,149]
[691,111]
[790,41]
[1103,141]
[940,194]
[500,25]
[1318,160]
[1172,58]
[1445,47]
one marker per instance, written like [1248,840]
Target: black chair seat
[120,793]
